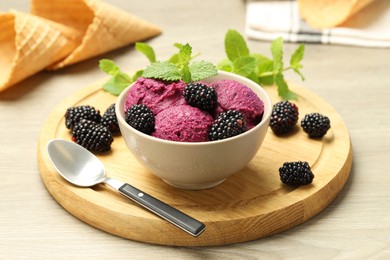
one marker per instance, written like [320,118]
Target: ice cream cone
[102,26]
[329,13]
[28,44]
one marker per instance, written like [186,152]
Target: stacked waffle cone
[61,33]
[27,45]
[329,13]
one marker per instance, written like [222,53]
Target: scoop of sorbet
[182,123]
[233,95]
[155,94]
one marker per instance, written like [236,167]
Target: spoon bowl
[75,164]
[80,167]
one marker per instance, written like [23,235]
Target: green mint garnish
[109,67]
[163,70]
[244,65]
[147,50]
[263,64]
[201,70]
[184,57]
[277,54]
[178,45]
[259,68]
[235,45]
[180,67]
[296,59]
[119,80]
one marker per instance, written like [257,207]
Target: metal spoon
[79,166]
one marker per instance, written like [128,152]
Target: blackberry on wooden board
[110,120]
[74,114]
[315,125]
[296,173]
[284,117]
[92,136]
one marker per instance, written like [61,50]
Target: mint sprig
[181,67]
[178,67]
[118,81]
[260,68]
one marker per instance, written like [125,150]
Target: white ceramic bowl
[196,165]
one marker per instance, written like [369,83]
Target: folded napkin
[267,20]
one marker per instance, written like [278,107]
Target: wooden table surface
[356,81]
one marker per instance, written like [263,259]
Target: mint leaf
[225,65]
[174,58]
[283,90]
[262,63]
[111,87]
[178,45]
[119,80]
[264,69]
[137,75]
[116,84]
[296,59]
[184,59]
[162,70]
[266,80]
[235,45]
[253,76]
[147,50]
[201,70]
[186,75]
[244,65]
[108,66]
[184,56]
[277,53]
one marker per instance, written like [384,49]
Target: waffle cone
[329,13]
[28,44]
[101,27]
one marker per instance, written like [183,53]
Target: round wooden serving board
[251,204]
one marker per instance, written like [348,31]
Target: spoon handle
[172,215]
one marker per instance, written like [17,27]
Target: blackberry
[296,173]
[109,120]
[201,96]
[315,124]
[141,118]
[227,124]
[92,136]
[284,117]
[74,114]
